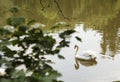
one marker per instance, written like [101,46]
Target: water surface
[97,23]
[107,68]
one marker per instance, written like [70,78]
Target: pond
[107,68]
[97,23]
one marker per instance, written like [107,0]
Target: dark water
[97,23]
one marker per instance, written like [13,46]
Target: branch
[59,8]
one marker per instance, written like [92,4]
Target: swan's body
[86,55]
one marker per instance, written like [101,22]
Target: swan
[86,55]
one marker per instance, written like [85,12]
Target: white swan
[86,55]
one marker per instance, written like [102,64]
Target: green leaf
[48,42]
[15,21]
[61,57]
[56,51]
[18,33]
[79,39]
[67,32]
[15,42]
[14,9]
[57,80]
[4,31]
[18,74]
[63,43]
[8,52]
[51,77]
[49,61]
[23,28]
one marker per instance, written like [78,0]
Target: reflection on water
[104,19]
[75,10]
[86,63]
[99,32]
[103,69]
[110,43]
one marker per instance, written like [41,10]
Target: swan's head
[76,66]
[76,46]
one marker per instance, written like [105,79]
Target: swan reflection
[83,62]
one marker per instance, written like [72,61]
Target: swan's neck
[76,64]
[77,48]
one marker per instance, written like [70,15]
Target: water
[105,70]
[99,31]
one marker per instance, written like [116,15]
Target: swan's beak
[75,46]
[76,67]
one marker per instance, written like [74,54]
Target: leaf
[61,57]
[56,51]
[23,28]
[57,80]
[79,39]
[18,33]
[51,77]
[67,32]
[18,73]
[50,61]
[14,9]
[63,43]
[15,42]
[4,32]
[48,42]
[15,21]
[8,52]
